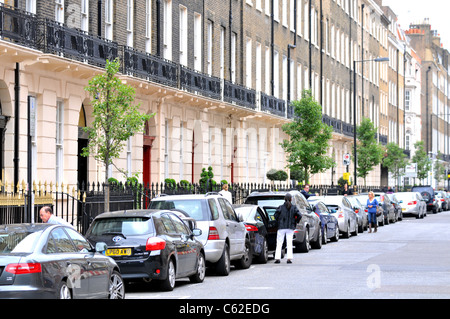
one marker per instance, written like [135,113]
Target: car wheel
[64,291]
[169,283]
[116,286]
[317,244]
[246,261]
[305,245]
[335,238]
[199,276]
[325,236]
[264,256]
[223,265]
[347,233]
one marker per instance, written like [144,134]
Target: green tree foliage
[309,139]
[395,160]
[422,160]
[115,118]
[369,151]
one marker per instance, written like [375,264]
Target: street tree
[309,138]
[115,118]
[395,160]
[422,160]
[439,169]
[369,151]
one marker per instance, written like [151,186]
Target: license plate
[118,252]
[403,209]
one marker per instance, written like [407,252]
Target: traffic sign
[347,159]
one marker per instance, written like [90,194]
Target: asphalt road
[408,260]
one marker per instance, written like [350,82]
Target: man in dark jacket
[287,216]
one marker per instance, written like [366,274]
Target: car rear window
[18,242]
[127,226]
[271,201]
[195,208]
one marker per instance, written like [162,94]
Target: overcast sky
[413,11]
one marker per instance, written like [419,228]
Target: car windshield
[270,201]
[195,208]
[18,242]
[405,197]
[244,211]
[126,226]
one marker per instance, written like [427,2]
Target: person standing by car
[287,216]
[347,191]
[47,216]
[306,192]
[226,193]
[372,206]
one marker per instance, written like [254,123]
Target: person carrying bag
[287,217]
[373,211]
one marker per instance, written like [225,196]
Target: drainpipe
[158,28]
[426,113]
[16,124]
[310,44]
[230,40]
[272,48]
[99,18]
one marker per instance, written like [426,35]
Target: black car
[428,195]
[308,233]
[53,261]
[151,244]
[262,230]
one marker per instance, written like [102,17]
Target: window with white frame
[248,63]
[222,52]
[183,36]
[85,15]
[109,19]
[148,26]
[59,141]
[233,56]
[167,29]
[59,11]
[267,71]
[276,74]
[30,6]
[198,42]
[258,67]
[130,22]
[209,46]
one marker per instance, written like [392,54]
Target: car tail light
[442,199]
[414,202]
[251,227]
[213,233]
[23,268]
[341,214]
[155,243]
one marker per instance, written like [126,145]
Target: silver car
[224,236]
[343,211]
[412,203]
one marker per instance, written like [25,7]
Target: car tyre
[116,286]
[317,244]
[64,292]
[246,260]
[335,238]
[325,236]
[347,233]
[199,276]
[305,245]
[264,256]
[168,284]
[223,265]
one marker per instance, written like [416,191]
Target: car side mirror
[100,247]
[197,232]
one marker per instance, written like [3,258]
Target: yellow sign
[347,176]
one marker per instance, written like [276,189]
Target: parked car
[330,225]
[53,261]
[308,233]
[441,198]
[428,195]
[412,203]
[343,211]
[224,236]
[397,207]
[386,204]
[363,219]
[362,198]
[262,231]
[150,245]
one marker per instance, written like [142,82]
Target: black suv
[428,195]
[308,233]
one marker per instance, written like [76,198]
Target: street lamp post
[354,113]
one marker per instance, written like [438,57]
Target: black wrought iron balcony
[149,67]
[19,26]
[334,123]
[383,139]
[197,82]
[240,95]
[273,105]
[78,45]
[347,129]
